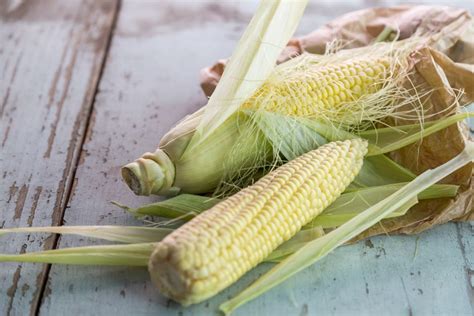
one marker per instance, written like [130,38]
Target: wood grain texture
[51,54]
[465,234]
[150,81]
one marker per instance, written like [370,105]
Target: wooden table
[86,86]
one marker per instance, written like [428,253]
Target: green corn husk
[186,206]
[113,255]
[380,170]
[122,234]
[389,139]
[295,243]
[350,204]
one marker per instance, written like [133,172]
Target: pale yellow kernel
[330,90]
[369,71]
[330,102]
[369,81]
[352,71]
[332,77]
[357,90]
[324,93]
[358,80]
[351,81]
[198,287]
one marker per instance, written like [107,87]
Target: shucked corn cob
[217,247]
[289,91]
[308,92]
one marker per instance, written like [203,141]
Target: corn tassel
[217,247]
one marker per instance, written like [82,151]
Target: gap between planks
[36,305]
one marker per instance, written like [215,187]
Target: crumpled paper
[432,68]
[445,62]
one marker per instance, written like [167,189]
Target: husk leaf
[123,234]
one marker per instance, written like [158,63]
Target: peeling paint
[13,288]
[12,191]
[60,105]
[20,202]
[7,132]
[368,243]
[34,205]
[12,79]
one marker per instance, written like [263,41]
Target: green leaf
[387,139]
[184,206]
[124,234]
[114,255]
[350,204]
[384,140]
[296,242]
[320,247]
[380,170]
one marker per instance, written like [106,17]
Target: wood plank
[50,60]
[465,234]
[150,81]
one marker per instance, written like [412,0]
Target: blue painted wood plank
[400,275]
[466,242]
[50,58]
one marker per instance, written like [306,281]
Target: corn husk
[353,201]
[445,65]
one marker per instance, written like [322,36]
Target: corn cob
[312,91]
[289,91]
[217,247]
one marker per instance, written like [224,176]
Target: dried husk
[445,63]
